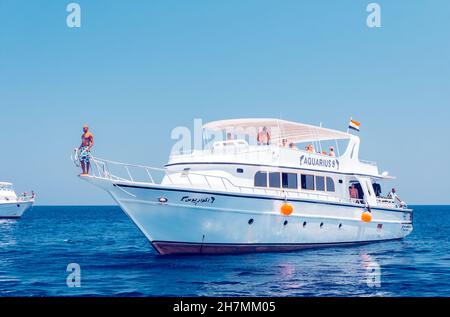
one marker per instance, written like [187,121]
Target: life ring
[286,209]
[366,216]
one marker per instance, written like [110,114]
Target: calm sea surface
[116,260]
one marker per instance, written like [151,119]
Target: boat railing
[371,163]
[389,203]
[18,199]
[233,148]
[25,199]
[101,168]
[228,148]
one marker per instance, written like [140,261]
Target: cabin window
[330,185]
[274,180]
[240,170]
[289,180]
[307,182]
[377,189]
[261,179]
[320,183]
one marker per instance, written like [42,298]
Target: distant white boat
[11,205]
[236,197]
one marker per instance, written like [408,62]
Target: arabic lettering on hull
[330,163]
[196,201]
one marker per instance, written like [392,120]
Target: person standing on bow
[87,142]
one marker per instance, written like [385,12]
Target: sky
[135,70]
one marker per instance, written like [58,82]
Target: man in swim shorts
[87,142]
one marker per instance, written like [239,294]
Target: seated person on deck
[309,148]
[354,192]
[332,151]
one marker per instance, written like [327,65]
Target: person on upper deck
[332,152]
[292,146]
[284,143]
[393,195]
[263,137]
[230,136]
[309,148]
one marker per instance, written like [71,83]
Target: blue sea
[116,260]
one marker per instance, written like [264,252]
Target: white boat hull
[14,209]
[186,221]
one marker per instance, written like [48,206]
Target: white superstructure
[238,196]
[11,205]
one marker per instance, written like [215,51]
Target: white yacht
[237,197]
[11,205]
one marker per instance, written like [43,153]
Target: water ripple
[116,260]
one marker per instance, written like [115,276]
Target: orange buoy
[366,216]
[286,209]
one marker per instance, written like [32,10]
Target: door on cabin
[369,193]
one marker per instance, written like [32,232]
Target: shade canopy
[278,129]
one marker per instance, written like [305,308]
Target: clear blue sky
[137,69]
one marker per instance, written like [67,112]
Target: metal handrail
[102,170]
[18,199]
[372,163]
[248,149]
[28,198]
[386,201]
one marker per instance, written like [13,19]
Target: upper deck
[6,191]
[285,149]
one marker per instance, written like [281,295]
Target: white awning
[278,129]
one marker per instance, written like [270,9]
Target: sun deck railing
[369,162]
[232,149]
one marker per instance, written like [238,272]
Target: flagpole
[348,126]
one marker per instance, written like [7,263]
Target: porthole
[321,225]
[240,170]
[250,221]
[285,223]
[163,200]
[340,225]
[304,224]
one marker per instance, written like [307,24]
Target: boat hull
[14,209]
[187,221]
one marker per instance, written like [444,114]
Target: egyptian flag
[354,125]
